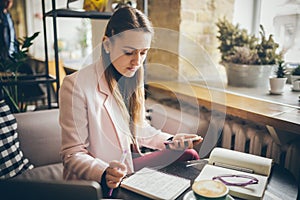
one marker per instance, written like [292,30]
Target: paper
[254,191]
[238,163]
[156,185]
[258,164]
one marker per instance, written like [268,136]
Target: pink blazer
[93,130]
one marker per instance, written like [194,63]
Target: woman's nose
[136,59]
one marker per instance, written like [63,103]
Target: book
[155,184]
[224,162]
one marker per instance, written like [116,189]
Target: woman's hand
[183,140]
[115,173]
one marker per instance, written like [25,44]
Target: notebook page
[155,184]
[258,164]
[254,191]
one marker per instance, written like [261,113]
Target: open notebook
[155,184]
[227,162]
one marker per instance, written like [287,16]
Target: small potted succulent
[295,78]
[249,60]
[277,83]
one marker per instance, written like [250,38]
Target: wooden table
[282,184]
[277,115]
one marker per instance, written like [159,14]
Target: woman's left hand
[183,140]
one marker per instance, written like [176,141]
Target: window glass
[282,17]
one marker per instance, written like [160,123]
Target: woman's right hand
[115,173]
[182,141]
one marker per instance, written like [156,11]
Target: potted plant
[249,60]
[277,83]
[295,78]
[11,71]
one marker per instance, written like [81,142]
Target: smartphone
[185,140]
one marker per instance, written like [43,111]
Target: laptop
[49,190]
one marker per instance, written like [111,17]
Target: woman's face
[6,4]
[128,51]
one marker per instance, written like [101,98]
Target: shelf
[23,80]
[64,12]
[68,13]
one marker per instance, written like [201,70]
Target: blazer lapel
[114,112]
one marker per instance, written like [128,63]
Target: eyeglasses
[249,180]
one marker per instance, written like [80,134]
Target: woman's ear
[106,44]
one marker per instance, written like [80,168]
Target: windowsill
[245,103]
[287,98]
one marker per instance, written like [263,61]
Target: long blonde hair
[131,101]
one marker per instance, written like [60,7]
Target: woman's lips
[132,68]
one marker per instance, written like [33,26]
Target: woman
[8,41]
[102,110]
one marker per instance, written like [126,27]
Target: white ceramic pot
[294,78]
[277,85]
[296,86]
[240,75]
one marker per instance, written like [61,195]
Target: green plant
[296,71]
[237,46]
[10,71]
[83,35]
[281,70]
[18,57]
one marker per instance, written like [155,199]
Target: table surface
[281,185]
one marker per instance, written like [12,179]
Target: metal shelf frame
[66,12]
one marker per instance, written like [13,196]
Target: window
[282,17]
[279,17]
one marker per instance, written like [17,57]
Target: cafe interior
[191,84]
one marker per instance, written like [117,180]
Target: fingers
[189,136]
[178,136]
[182,141]
[178,144]
[190,143]
[115,173]
[118,165]
[185,136]
[198,141]
[114,177]
[112,184]
[113,181]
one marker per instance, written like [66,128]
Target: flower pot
[242,75]
[294,79]
[277,85]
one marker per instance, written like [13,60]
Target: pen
[122,159]
[189,165]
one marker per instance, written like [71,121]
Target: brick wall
[163,63]
[191,24]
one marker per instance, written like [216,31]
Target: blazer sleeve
[73,120]
[151,137]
